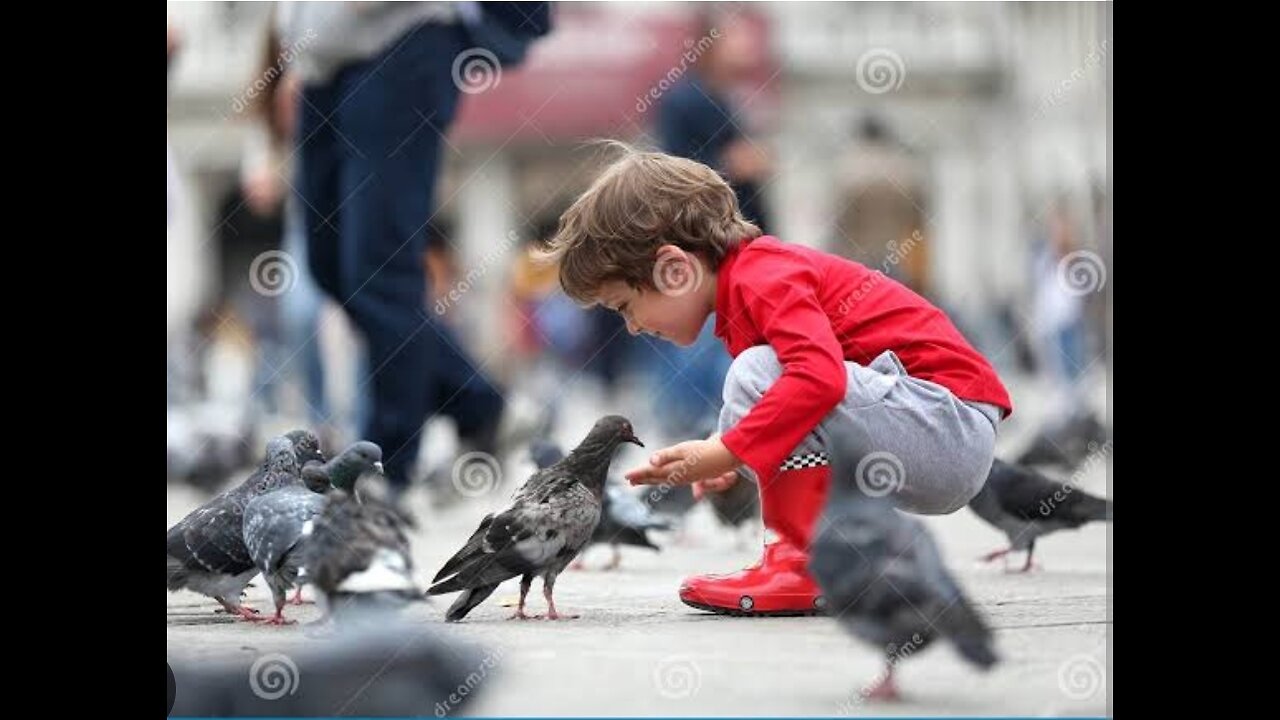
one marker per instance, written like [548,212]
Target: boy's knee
[752,372]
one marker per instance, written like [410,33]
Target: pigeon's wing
[362,541]
[944,603]
[210,538]
[1024,493]
[847,554]
[527,538]
[274,522]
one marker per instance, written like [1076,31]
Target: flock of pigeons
[299,519]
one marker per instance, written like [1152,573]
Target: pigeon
[550,521]
[1066,444]
[357,554]
[207,442]
[883,579]
[206,549]
[1024,505]
[385,668]
[276,524]
[306,446]
[344,469]
[624,518]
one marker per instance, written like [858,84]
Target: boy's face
[674,318]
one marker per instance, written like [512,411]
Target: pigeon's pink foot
[995,555]
[297,599]
[278,619]
[885,689]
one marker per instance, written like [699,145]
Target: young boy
[821,345]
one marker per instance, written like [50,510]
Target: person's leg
[919,441]
[301,315]
[319,160]
[929,449]
[393,110]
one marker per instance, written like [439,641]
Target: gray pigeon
[550,520]
[624,518]
[276,524]
[344,469]
[206,550]
[1065,443]
[376,669]
[358,556]
[884,581]
[1025,505]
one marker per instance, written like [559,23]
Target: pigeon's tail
[964,626]
[467,601]
[177,574]
[1090,509]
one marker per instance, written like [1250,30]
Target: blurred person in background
[879,221]
[379,91]
[698,119]
[1058,320]
[266,168]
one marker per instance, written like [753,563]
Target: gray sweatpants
[919,441]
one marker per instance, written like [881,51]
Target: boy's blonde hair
[641,201]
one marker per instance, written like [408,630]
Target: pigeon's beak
[378,466]
[631,438]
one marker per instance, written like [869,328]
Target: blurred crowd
[356,181]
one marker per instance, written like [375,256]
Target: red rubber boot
[779,583]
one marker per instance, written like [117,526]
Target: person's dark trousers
[465,394]
[370,148]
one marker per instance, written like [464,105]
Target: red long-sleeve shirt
[816,311]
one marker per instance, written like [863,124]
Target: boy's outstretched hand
[688,462]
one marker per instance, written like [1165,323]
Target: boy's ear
[667,253]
